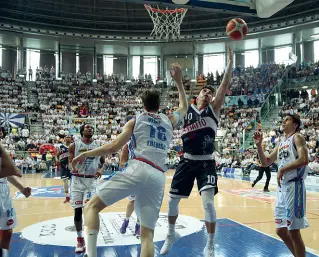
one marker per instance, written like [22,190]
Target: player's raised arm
[179,114]
[113,147]
[265,160]
[221,91]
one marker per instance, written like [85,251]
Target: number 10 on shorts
[211,179]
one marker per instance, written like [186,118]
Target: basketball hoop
[167,23]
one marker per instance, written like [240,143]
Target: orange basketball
[236,29]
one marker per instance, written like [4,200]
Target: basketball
[236,29]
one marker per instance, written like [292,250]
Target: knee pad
[77,214]
[208,202]
[173,206]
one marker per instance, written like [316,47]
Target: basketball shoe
[124,226]
[209,250]
[169,241]
[80,247]
[137,230]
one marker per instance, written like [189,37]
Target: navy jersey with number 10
[198,133]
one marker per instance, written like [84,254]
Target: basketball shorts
[8,219]
[130,197]
[142,180]
[82,190]
[187,171]
[290,207]
[65,172]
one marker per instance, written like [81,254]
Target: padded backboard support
[247,7]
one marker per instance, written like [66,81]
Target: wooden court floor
[236,200]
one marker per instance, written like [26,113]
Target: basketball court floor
[245,225]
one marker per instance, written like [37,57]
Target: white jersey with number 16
[151,137]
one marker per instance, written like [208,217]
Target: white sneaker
[4,252]
[169,241]
[209,251]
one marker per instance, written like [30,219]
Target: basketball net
[167,23]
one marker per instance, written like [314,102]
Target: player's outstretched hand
[176,72]
[26,191]
[80,158]
[258,137]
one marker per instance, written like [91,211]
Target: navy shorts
[65,172]
[187,171]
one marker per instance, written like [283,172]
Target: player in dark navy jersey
[63,155]
[198,134]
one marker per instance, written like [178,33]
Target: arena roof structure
[100,18]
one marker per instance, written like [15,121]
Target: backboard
[246,7]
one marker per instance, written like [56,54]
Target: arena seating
[111,101]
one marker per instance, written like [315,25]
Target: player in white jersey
[125,156]
[290,209]
[150,134]
[8,221]
[84,175]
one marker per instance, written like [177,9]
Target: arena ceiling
[44,24]
[126,17]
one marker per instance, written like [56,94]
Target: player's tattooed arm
[221,91]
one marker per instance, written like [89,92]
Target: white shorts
[8,219]
[82,190]
[290,208]
[141,180]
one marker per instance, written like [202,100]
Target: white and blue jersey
[290,206]
[151,137]
[287,153]
[198,134]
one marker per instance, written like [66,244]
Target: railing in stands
[272,100]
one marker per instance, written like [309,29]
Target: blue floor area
[232,240]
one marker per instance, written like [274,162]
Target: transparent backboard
[247,7]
